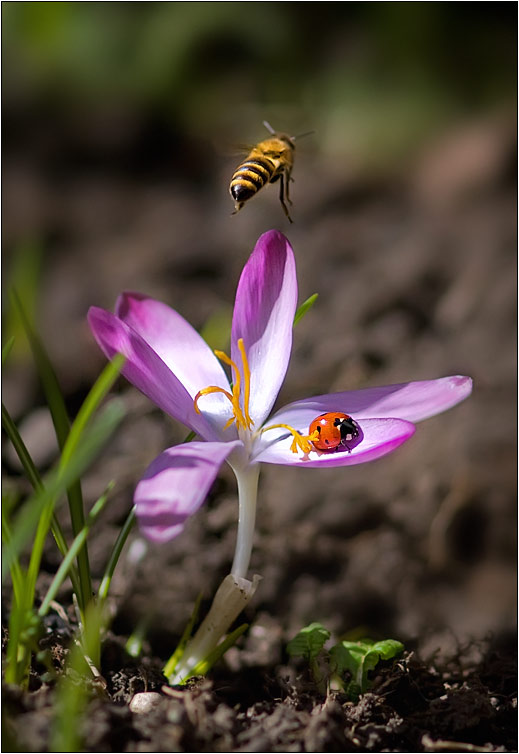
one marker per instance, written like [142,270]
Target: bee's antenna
[300,136]
[268,127]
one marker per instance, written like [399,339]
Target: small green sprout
[355,658]
[309,643]
[359,657]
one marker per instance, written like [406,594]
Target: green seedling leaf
[359,657]
[308,642]
[305,307]
[388,648]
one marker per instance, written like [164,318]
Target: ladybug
[335,429]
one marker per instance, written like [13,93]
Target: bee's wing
[238,150]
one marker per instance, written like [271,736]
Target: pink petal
[177,343]
[413,401]
[175,485]
[378,437]
[146,370]
[266,302]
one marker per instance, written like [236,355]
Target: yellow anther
[241,417]
[299,442]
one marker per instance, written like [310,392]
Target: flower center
[299,441]
[239,415]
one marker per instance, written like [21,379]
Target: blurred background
[122,126]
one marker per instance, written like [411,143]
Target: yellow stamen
[300,442]
[246,387]
[206,391]
[241,417]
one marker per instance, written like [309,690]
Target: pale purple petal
[266,302]
[413,401]
[177,343]
[146,370]
[378,437]
[175,485]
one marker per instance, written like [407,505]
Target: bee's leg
[237,207]
[287,187]
[282,196]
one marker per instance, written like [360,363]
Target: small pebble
[144,702]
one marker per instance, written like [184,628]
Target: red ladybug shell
[335,430]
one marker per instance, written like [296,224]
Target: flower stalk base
[233,595]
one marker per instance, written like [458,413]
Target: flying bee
[269,161]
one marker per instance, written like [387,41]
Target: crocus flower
[170,363]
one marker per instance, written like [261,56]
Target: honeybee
[269,161]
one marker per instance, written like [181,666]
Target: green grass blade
[114,557]
[17,577]
[46,374]
[135,641]
[73,551]
[35,479]
[91,403]
[69,723]
[6,350]
[17,606]
[33,570]
[46,513]
[56,483]
[33,475]
[305,307]
[17,656]
[61,423]
[98,392]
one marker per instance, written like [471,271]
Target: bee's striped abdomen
[250,176]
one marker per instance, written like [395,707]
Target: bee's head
[289,140]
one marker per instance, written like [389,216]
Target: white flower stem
[247,495]
[236,590]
